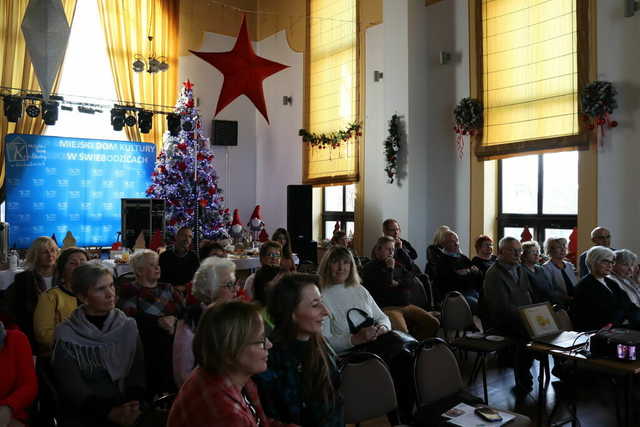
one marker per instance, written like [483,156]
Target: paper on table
[468,418]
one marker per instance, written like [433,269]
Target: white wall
[618,171]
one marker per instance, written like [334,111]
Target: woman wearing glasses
[270,256]
[230,347]
[598,300]
[156,307]
[301,383]
[214,282]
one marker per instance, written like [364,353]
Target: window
[338,206]
[539,192]
[332,87]
[532,63]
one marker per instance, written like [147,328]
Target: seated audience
[230,347]
[98,362]
[598,300]
[506,288]
[454,271]
[434,250]
[213,283]
[270,255]
[339,238]
[543,289]
[561,272]
[18,382]
[484,254]
[57,303]
[341,291]
[179,263]
[281,236]
[301,383]
[390,284]
[600,236]
[155,306]
[623,269]
[22,296]
[210,248]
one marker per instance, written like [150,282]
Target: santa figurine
[236,226]
[255,223]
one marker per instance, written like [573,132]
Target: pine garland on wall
[392,148]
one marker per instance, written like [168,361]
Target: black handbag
[388,346]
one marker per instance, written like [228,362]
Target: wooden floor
[596,405]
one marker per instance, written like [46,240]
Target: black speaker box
[146,215]
[299,217]
[224,132]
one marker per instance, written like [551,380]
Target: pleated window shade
[332,89]
[530,76]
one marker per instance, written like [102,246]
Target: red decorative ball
[201,156]
[189,211]
[182,146]
[182,166]
[212,190]
[203,203]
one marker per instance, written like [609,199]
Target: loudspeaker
[146,215]
[299,218]
[224,132]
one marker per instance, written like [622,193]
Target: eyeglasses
[607,261]
[274,255]
[607,236]
[263,343]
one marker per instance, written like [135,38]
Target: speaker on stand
[141,215]
[300,221]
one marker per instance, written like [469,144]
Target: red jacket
[210,400]
[18,382]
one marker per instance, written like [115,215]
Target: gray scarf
[113,348]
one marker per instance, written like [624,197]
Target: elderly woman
[484,253]
[390,284]
[230,347]
[214,282]
[623,269]
[281,235]
[57,303]
[301,382]
[39,276]
[561,272]
[18,382]
[543,289]
[598,300]
[155,306]
[98,358]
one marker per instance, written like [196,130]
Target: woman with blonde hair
[561,272]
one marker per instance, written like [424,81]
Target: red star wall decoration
[243,72]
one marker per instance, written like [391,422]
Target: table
[625,369]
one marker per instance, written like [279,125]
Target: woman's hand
[125,414]
[390,262]
[168,323]
[364,335]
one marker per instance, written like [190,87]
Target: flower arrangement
[331,139]
[468,119]
[598,102]
[392,148]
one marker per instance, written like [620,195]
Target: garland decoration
[468,118]
[598,102]
[331,139]
[392,148]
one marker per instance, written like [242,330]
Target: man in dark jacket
[179,263]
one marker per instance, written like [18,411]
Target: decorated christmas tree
[185,175]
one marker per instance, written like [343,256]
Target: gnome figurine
[236,227]
[255,223]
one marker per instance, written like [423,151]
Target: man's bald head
[601,236]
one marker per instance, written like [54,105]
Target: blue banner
[56,184]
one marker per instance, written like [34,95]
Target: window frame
[537,222]
[343,216]
[585,10]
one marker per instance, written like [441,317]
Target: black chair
[46,409]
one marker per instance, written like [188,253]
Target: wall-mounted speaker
[224,132]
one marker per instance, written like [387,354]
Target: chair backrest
[367,388]
[455,314]
[436,372]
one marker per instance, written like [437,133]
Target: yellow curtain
[332,83]
[127,25]
[530,73]
[17,69]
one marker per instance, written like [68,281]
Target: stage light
[33,110]
[145,121]
[130,121]
[173,124]
[12,108]
[50,112]
[117,119]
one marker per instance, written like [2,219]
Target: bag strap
[352,327]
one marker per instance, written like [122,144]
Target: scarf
[113,348]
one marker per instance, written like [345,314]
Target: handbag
[388,346]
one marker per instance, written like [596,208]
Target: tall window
[338,208]
[533,63]
[539,192]
[332,82]
[86,72]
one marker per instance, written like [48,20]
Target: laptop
[542,327]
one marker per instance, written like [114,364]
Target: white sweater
[339,299]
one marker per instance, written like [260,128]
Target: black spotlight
[12,108]
[145,121]
[33,110]
[173,124]
[130,121]
[117,119]
[50,112]
[187,126]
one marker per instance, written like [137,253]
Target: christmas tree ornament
[243,70]
[468,119]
